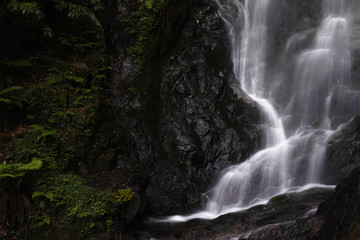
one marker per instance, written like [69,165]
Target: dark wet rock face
[188,124]
[343,153]
[301,229]
[203,125]
[119,38]
[342,210]
[288,217]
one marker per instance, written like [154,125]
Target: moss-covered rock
[278,198]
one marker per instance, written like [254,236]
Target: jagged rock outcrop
[343,153]
[203,125]
[342,210]
[187,124]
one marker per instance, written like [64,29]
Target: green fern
[19,169]
[10,96]
[16,63]
[76,11]
[153,5]
[43,133]
[27,9]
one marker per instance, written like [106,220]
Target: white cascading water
[319,76]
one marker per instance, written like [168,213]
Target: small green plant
[76,11]
[123,196]
[10,96]
[42,132]
[69,196]
[16,170]
[132,90]
[154,5]
[56,75]
[16,63]
[144,21]
[77,43]
[28,9]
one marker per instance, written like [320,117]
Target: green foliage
[77,43]
[77,10]
[154,5]
[11,96]
[123,196]
[16,63]
[77,202]
[44,104]
[144,21]
[53,55]
[30,10]
[29,148]
[144,28]
[73,10]
[56,75]
[19,169]
[42,132]
[47,31]
[132,90]
[83,98]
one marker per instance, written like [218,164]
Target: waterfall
[298,129]
[286,163]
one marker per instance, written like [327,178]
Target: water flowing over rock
[292,216]
[297,131]
[288,216]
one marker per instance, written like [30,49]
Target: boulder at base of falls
[289,216]
[337,218]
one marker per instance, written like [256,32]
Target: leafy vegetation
[81,206]
[57,125]
[53,70]
[19,169]
[10,96]
[144,21]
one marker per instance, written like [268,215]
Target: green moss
[143,22]
[29,148]
[44,103]
[278,198]
[77,206]
[18,169]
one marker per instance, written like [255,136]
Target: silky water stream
[298,129]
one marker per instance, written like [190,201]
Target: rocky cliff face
[342,210]
[188,124]
[342,153]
